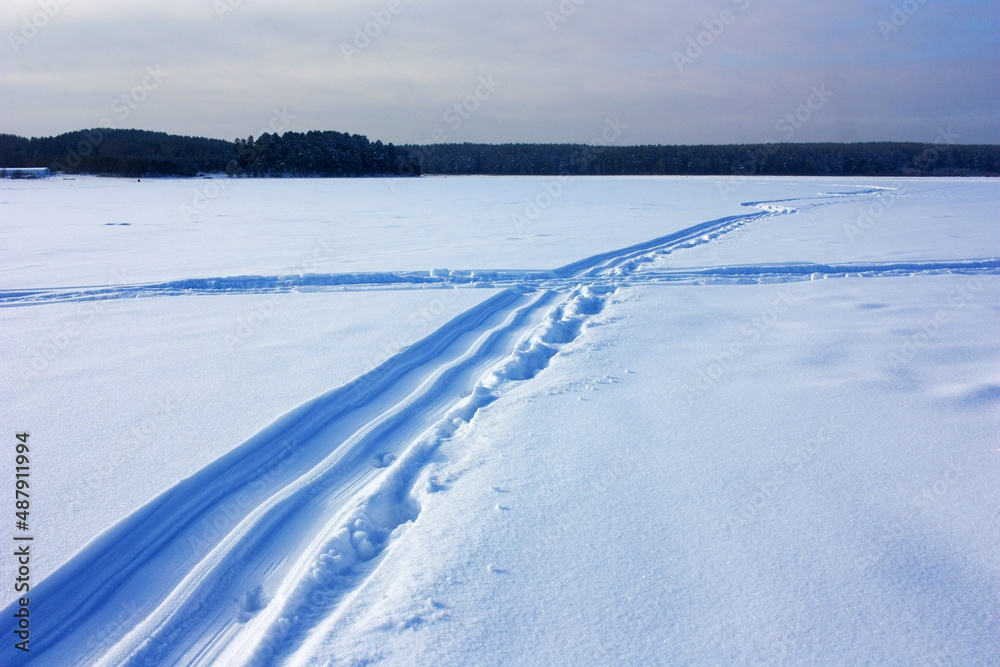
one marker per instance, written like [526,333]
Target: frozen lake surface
[506,420]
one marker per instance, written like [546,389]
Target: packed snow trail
[248,560]
[143,558]
[622,273]
[281,498]
[616,262]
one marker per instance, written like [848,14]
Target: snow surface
[608,515]
[665,421]
[123,231]
[129,396]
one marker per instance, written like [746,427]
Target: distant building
[25,172]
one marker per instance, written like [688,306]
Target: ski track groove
[493,279]
[232,556]
[307,515]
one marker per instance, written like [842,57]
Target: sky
[421,71]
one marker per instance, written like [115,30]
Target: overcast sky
[669,71]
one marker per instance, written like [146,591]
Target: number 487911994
[23,472]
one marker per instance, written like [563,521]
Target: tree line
[117,153]
[137,153]
[324,154]
[776,159]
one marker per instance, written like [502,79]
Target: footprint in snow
[382,460]
[250,604]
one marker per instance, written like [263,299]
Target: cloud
[564,66]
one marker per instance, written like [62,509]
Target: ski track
[251,559]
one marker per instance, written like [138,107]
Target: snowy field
[505,421]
